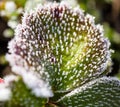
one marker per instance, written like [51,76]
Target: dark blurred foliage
[106,12]
[3,43]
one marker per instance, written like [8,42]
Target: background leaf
[102,92]
[22,97]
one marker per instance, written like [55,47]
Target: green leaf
[22,97]
[62,44]
[102,92]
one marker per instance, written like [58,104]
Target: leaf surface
[102,92]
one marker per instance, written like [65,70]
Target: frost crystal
[38,86]
[62,45]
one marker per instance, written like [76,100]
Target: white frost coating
[13,59]
[10,78]
[90,85]
[32,79]
[92,20]
[80,11]
[100,27]
[5,93]
[38,86]
[5,90]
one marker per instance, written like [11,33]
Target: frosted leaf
[62,45]
[102,92]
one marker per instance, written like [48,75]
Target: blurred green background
[106,12]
